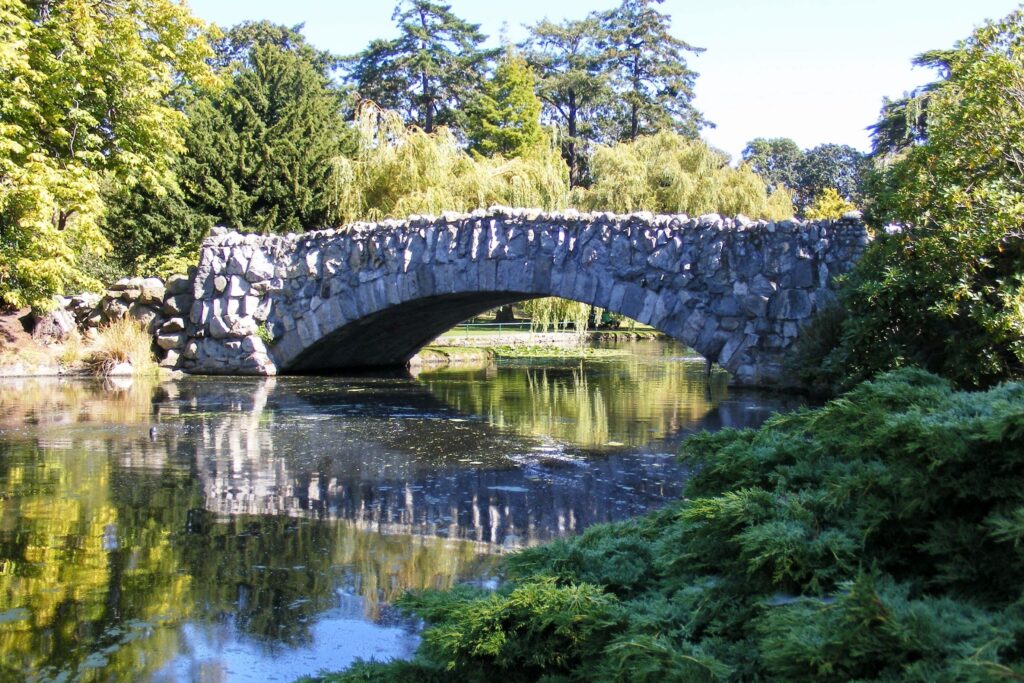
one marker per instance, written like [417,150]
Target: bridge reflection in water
[167,528]
[530,454]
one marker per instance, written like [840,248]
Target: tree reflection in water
[265,505]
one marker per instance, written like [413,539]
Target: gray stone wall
[737,291]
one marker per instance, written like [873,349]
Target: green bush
[878,538]
[946,293]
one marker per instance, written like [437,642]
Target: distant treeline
[130,130]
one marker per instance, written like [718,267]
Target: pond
[257,529]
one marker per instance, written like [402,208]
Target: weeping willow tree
[669,173]
[401,170]
[553,313]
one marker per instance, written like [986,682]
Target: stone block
[174,340]
[152,292]
[238,286]
[173,325]
[177,304]
[177,284]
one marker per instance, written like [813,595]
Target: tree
[572,84]
[945,292]
[89,96]
[429,72]
[647,70]
[670,173]
[399,170]
[235,46]
[261,154]
[777,160]
[505,117]
[840,167]
[828,206]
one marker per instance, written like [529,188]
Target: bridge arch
[734,290]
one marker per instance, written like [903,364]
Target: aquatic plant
[877,538]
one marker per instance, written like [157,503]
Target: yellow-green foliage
[85,101]
[551,312]
[399,171]
[173,261]
[669,173]
[122,341]
[828,206]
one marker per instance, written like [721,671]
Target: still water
[257,529]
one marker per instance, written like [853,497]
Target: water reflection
[209,529]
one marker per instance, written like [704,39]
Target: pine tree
[505,117]
[572,84]
[429,72]
[648,72]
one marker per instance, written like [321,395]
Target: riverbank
[822,546]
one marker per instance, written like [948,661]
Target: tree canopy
[89,97]
[504,118]
[670,173]
[647,72]
[945,290]
[429,72]
[260,152]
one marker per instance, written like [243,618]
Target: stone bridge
[371,295]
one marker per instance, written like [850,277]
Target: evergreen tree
[505,117]
[648,72]
[572,84]
[234,47]
[260,155]
[429,72]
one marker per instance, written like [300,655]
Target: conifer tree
[505,117]
[572,84]
[647,69]
[429,72]
[259,155]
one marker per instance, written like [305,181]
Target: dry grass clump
[121,341]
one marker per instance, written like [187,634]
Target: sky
[811,70]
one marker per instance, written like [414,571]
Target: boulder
[52,327]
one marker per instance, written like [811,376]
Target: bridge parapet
[371,294]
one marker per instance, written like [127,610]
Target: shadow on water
[230,529]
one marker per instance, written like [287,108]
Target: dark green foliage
[572,84]
[235,47]
[429,72]
[646,67]
[776,160]
[260,154]
[874,539]
[808,173]
[840,167]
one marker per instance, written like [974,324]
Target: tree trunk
[571,151]
[505,314]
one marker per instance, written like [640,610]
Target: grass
[121,341]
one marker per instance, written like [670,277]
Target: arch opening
[390,337]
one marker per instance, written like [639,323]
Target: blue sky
[812,70]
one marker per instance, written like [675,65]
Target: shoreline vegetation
[876,538]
